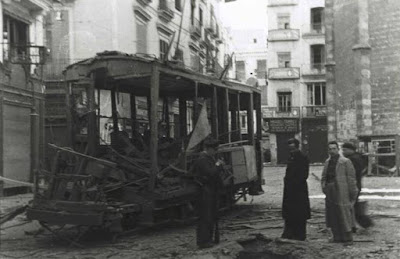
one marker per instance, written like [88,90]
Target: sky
[244,14]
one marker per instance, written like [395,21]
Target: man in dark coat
[296,204]
[349,151]
[206,172]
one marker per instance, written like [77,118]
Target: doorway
[318,142]
[282,147]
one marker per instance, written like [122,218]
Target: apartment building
[79,29]
[22,55]
[296,91]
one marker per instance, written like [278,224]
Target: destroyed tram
[116,175]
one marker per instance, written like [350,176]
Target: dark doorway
[318,142]
[282,146]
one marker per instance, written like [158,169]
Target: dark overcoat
[207,175]
[296,204]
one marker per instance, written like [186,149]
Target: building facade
[22,55]
[363,79]
[296,90]
[81,28]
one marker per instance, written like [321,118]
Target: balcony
[24,54]
[313,30]
[284,73]
[195,29]
[316,69]
[314,111]
[281,112]
[144,2]
[164,11]
[211,28]
[284,35]
[272,3]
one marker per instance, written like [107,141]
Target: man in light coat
[339,185]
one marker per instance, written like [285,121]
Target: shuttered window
[141,36]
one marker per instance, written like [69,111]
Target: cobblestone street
[257,215]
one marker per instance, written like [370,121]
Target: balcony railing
[316,69]
[281,112]
[284,35]
[24,54]
[164,11]
[272,3]
[284,73]
[195,29]
[211,28]
[314,29]
[314,111]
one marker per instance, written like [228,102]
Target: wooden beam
[154,95]
[92,123]
[166,105]
[1,142]
[214,112]
[225,110]
[114,110]
[182,117]
[133,112]
[239,125]
[250,119]
[195,104]
[70,134]
[257,107]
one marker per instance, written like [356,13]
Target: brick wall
[384,30]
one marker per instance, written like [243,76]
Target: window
[284,59]
[240,70]
[178,5]
[254,40]
[141,36]
[283,21]
[201,17]
[195,61]
[384,146]
[261,69]
[317,56]
[317,15]
[316,94]
[244,121]
[192,9]
[284,102]
[163,49]
[15,37]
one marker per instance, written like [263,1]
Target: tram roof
[134,70]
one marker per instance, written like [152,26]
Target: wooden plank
[70,134]
[214,111]
[238,116]
[154,96]
[182,117]
[92,120]
[1,142]
[133,112]
[250,119]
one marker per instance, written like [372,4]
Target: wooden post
[234,128]
[195,105]
[250,119]
[397,152]
[166,105]
[154,95]
[70,133]
[182,117]
[257,106]
[1,143]
[225,110]
[133,112]
[92,123]
[114,110]
[239,117]
[215,112]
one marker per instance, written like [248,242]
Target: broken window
[316,93]
[284,59]
[284,102]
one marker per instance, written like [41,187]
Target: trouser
[295,229]
[207,216]
[340,236]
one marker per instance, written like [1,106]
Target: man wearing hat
[349,151]
[206,172]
